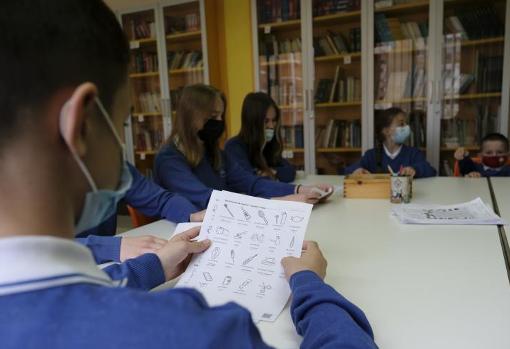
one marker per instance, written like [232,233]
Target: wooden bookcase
[411,55]
[168,52]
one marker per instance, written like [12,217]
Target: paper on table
[472,212]
[250,237]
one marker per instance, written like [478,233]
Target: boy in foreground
[64,95]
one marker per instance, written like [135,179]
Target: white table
[420,286]
[501,186]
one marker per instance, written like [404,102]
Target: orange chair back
[138,219]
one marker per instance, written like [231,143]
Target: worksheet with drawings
[249,238]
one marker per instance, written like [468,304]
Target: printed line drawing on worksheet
[250,236]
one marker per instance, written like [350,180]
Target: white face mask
[101,204]
[268,134]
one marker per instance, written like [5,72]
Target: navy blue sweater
[147,197]
[93,316]
[238,150]
[467,165]
[409,156]
[172,171]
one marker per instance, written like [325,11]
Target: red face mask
[494,161]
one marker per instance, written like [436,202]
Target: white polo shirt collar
[30,263]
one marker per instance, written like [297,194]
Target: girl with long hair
[258,146]
[192,164]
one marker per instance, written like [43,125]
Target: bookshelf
[472,70]
[453,81]
[280,69]
[168,51]
[401,47]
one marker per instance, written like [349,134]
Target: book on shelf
[292,136]
[148,102]
[270,46]
[389,29]
[327,7]
[339,89]
[144,62]
[283,82]
[184,59]
[339,134]
[141,29]
[335,43]
[271,11]
[475,23]
[489,73]
[182,24]
[147,138]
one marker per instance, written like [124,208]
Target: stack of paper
[250,236]
[472,212]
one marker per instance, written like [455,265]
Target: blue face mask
[401,134]
[101,204]
[268,134]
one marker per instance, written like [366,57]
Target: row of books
[389,29]
[418,123]
[148,102]
[339,134]
[340,89]
[270,11]
[184,59]
[283,82]
[144,62]
[270,46]
[326,7]
[477,121]
[334,43]
[140,29]
[292,136]
[148,138]
[182,24]
[475,23]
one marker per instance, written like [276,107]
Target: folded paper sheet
[472,212]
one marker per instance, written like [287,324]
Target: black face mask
[212,130]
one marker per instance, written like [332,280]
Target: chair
[138,219]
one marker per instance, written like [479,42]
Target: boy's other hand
[474,174]
[311,259]
[460,153]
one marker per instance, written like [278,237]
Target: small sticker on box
[140,118]
[267,29]
[142,156]
[134,44]
[347,59]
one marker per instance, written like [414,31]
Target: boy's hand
[408,171]
[474,174]
[460,153]
[176,254]
[131,247]
[311,259]
[197,216]
[360,171]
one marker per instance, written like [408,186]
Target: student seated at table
[151,200]
[258,146]
[493,155]
[392,131]
[192,164]
[73,56]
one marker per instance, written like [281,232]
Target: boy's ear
[73,117]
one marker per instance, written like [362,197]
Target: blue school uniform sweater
[41,310]
[467,165]
[408,156]
[172,171]
[145,196]
[238,151]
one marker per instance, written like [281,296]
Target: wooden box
[367,186]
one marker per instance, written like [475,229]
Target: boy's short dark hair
[495,137]
[46,45]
